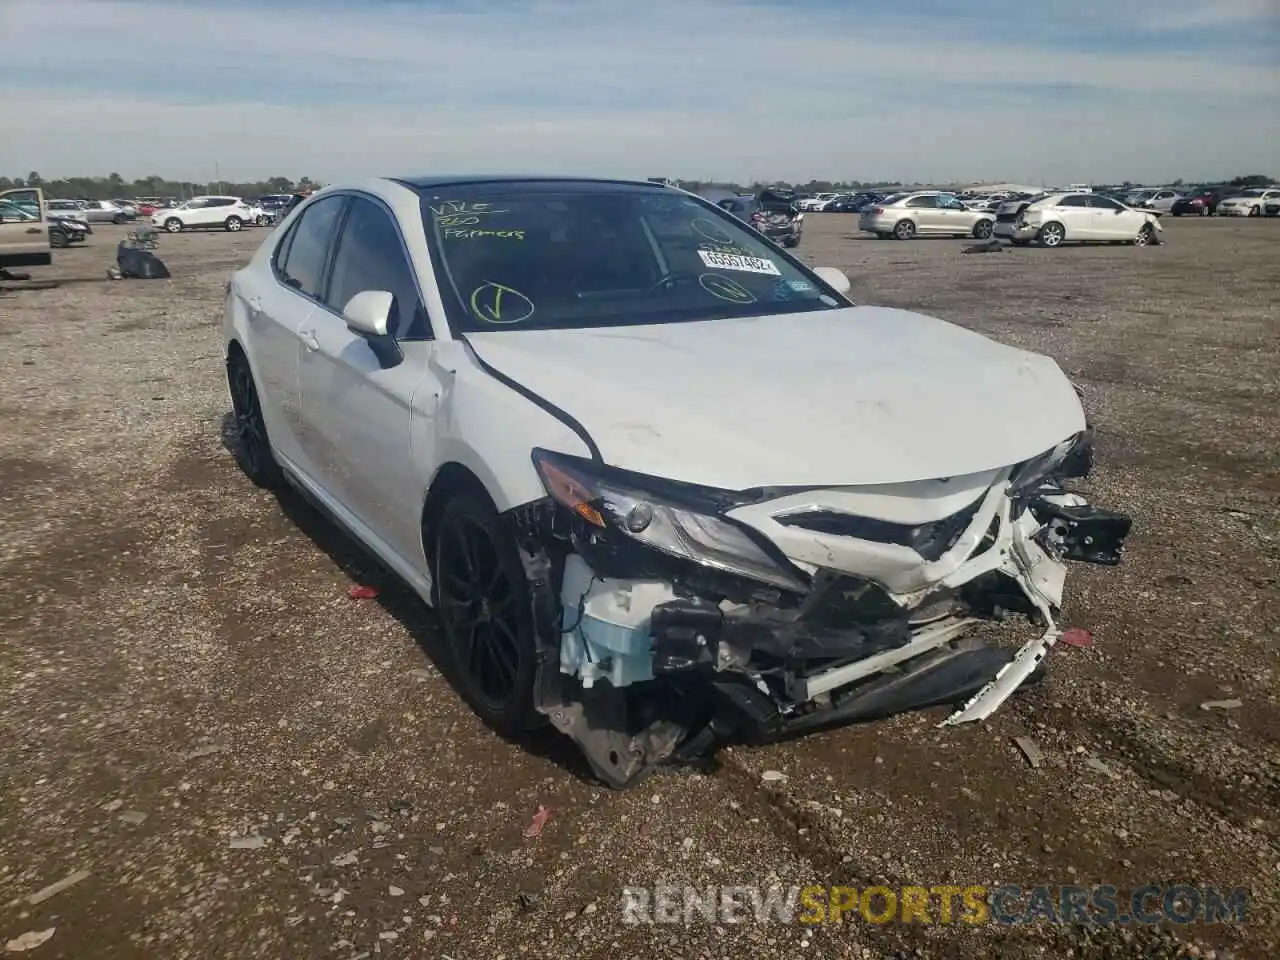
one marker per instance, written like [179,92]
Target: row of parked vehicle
[1206,201]
[204,212]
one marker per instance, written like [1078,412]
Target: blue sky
[1025,90]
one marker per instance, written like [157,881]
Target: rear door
[24,234]
[1075,215]
[276,312]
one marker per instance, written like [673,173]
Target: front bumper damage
[650,658]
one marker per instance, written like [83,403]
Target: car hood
[862,395]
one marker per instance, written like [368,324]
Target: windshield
[1255,192]
[558,255]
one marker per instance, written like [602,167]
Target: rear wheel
[485,614]
[982,229]
[1051,235]
[118,219]
[1255,211]
[904,230]
[233,224]
[252,446]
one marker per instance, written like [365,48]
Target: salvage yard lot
[181,663]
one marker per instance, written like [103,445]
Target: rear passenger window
[1076,200]
[371,256]
[922,202]
[302,265]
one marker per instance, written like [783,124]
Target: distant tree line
[115,186]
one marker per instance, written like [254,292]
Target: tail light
[876,211]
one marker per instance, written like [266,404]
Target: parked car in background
[1162,200]
[1200,202]
[272,204]
[1058,218]
[102,211]
[925,213]
[129,207]
[1249,203]
[64,231]
[606,434]
[257,216]
[851,204]
[211,212]
[24,234]
[773,213]
[814,203]
[67,210]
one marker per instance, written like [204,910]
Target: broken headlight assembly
[1070,459]
[613,503]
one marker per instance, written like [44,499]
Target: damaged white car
[666,486]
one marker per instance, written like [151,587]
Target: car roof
[420,183]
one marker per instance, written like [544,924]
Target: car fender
[477,421]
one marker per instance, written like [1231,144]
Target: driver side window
[371,256]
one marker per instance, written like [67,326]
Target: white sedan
[1059,218]
[663,482]
[1249,203]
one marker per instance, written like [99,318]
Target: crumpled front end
[677,617]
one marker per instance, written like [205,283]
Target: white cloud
[692,89]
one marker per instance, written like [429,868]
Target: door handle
[33,229]
[308,338]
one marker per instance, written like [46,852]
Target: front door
[24,235]
[1111,220]
[357,409]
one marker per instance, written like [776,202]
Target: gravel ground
[248,762]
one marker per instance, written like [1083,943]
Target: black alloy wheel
[483,600]
[252,446]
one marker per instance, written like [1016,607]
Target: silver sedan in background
[925,213]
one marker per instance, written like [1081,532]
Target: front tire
[1146,236]
[173,225]
[58,239]
[1051,235]
[233,224]
[904,230]
[118,219]
[982,229]
[485,613]
[252,445]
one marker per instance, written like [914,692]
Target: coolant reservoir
[606,625]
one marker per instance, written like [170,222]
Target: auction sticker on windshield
[735,261]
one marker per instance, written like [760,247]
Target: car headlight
[615,503]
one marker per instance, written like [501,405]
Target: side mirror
[368,312]
[834,277]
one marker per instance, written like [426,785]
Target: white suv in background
[228,213]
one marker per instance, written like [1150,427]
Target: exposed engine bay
[673,618]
